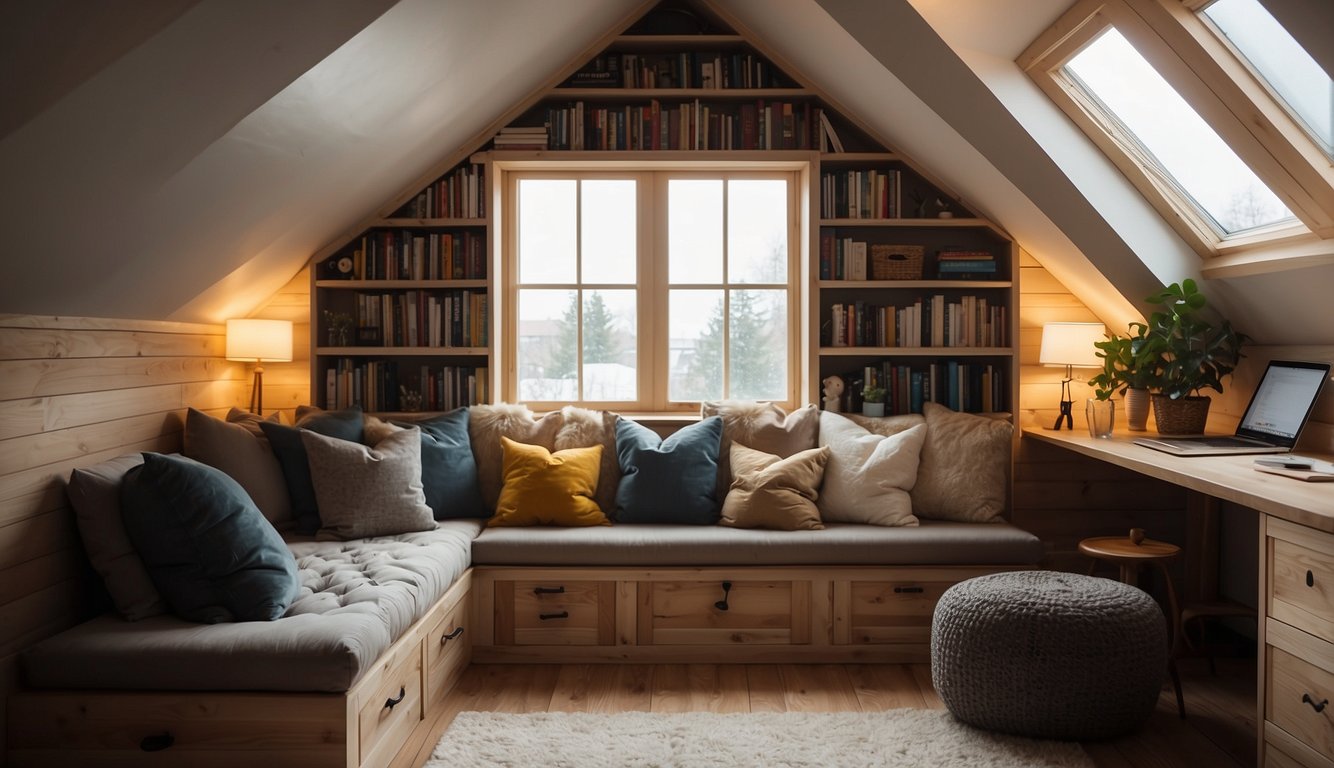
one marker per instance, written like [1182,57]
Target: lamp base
[257,392]
[1066,415]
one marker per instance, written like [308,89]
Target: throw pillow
[545,488]
[774,492]
[965,466]
[364,491]
[668,481]
[205,545]
[580,428]
[487,424]
[94,492]
[764,427]
[868,476]
[449,471]
[250,421]
[291,453]
[246,458]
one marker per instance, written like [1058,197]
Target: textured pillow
[488,423]
[885,425]
[545,488]
[244,455]
[291,453]
[581,428]
[965,463]
[868,476]
[449,471]
[94,492]
[774,492]
[364,491]
[668,481]
[762,426]
[250,421]
[206,546]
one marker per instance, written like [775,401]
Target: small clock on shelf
[336,268]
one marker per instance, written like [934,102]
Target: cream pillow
[965,466]
[763,427]
[868,476]
[364,491]
[488,423]
[774,492]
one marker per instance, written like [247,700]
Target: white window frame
[651,278]
[1228,96]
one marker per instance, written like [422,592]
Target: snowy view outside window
[1187,151]
[726,299]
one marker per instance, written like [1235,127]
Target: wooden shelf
[916,352]
[403,351]
[712,94]
[400,284]
[933,223]
[388,222]
[672,42]
[859,157]
[833,285]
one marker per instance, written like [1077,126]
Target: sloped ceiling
[186,158]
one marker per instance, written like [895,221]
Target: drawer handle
[1320,707]
[1310,579]
[158,742]
[446,638]
[722,604]
[908,590]
[548,590]
[546,616]
[394,702]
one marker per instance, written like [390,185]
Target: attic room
[411,382]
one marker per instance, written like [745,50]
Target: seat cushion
[356,599]
[933,542]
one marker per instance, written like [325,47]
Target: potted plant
[1190,353]
[1128,368]
[873,401]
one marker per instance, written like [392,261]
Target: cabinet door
[555,612]
[1301,578]
[724,612]
[888,612]
[1298,698]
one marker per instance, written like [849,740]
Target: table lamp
[250,340]
[1070,345]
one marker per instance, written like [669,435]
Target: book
[830,134]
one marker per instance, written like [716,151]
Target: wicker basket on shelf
[896,262]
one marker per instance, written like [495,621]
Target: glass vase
[1101,416]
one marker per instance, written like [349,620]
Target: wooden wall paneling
[73,392]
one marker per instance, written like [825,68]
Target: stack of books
[522,137]
[965,265]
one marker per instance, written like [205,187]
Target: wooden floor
[1219,730]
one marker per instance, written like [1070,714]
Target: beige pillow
[884,425]
[364,491]
[868,476]
[240,450]
[488,423]
[965,467]
[582,428]
[774,492]
[762,426]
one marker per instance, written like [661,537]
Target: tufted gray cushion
[1048,655]
[356,599]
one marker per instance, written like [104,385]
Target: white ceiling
[188,158]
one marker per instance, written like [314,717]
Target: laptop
[1274,418]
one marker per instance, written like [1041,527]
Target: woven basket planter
[1183,416]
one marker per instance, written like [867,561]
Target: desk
[1295,644]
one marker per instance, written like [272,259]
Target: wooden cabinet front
[555,612]
[392,704]
[882,612]
[724,612]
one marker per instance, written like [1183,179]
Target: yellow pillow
[544,488]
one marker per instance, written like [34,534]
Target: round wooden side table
[1128,553]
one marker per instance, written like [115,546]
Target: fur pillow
[762,426]
[488,423]
[582,428]
[965,463]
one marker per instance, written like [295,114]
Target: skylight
[1298,82]
[1170,139]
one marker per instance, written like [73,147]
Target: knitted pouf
[1048,655]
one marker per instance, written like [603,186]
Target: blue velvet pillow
[291,453]
[668,481]
[449,471]
[206,546]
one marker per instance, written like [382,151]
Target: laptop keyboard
[1220,442]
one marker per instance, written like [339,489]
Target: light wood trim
[65,322]
[504,612]
[821,611]
[1291,747]
[51,343]
[627,596]
[37,378]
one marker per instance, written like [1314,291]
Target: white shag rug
[899,737]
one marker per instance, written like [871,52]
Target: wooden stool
[1128,553]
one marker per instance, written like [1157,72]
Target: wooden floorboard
[1219,730]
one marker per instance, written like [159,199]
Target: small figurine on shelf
[873,401]
[339,326]
[410,400]
[833,393]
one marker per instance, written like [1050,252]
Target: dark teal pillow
[206,546]
[668,481]
[291,453]
[449,471]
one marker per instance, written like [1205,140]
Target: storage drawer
[1301,578]
[1300,699]
[724,612]
[391,704]
[447,649]
[555,612]
[887,612]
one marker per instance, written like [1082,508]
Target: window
[651,290]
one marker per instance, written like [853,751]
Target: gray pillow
[291,453]
[207,548]
[241,450]
[365,491]
[94,492]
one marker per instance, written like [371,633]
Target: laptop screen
[1282,402]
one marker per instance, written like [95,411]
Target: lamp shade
[251,340]
[1071,344]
